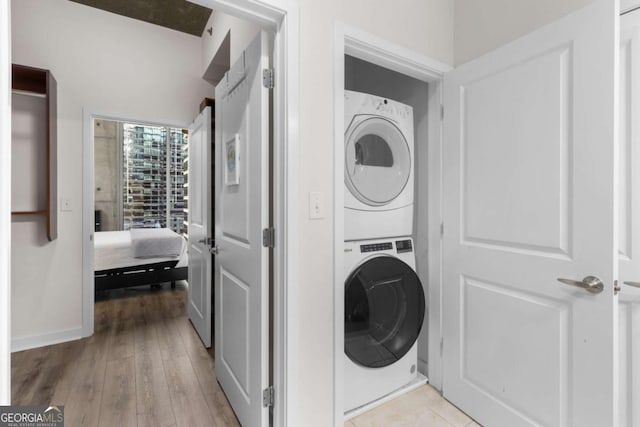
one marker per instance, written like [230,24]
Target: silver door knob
[590,283]
[634,284]
[214,250]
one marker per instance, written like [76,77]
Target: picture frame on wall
[232,165]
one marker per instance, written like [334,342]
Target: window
[153,180]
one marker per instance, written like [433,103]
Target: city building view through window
[153,177]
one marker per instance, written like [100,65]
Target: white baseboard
[35,341]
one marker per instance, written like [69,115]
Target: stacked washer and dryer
[384,299]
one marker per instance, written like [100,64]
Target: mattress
[113,249]
[155,242]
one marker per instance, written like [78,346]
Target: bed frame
[139,275]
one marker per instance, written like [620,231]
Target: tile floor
[423,407]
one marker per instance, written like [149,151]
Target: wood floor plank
[96,347]
[155,315]
[173,305]
[102,316]
[144,366]
[52,376]
[204,367]
[62,369]
[192,342]
[152,391]
[201,361]
[26,368]
[189,404]
[171,344]
[118,406]
[121,338]
[220,408]
[84,401]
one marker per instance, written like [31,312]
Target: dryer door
[384,308]
[377,160]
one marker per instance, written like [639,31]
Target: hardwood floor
[144,366]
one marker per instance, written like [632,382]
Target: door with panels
[241,266]
[529,165]
[629,222]
[199,225]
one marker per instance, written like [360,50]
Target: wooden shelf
[30,213]
[40,83]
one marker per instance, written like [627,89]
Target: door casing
[354,42]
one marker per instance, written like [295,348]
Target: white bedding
[113,250]
[155,242]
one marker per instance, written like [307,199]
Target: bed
[139,257]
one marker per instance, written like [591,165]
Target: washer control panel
[375,247]
[404,246]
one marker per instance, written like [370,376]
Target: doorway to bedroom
[105,72]
[140,207]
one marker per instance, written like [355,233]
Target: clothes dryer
[384,308]
[379,167]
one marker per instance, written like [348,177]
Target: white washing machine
[383,312]
[378,176]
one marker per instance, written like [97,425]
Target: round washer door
[377,161]
[383,311]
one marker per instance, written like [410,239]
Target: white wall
[5,204]
[28,153]
[109,64]
[425,26]
[481,26]
[242,33]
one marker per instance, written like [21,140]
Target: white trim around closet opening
[371,48]
[281,17]
[5,203]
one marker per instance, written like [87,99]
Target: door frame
[5,203]
[89,114]
[280,17]
[360,44]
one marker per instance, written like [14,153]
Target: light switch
[316,205]
[65,205]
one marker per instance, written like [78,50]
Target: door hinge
[441,229]
[616,287]
[267,397]
[441,112]
[441,345]
[268,237]
[268,79]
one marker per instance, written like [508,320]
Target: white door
[529,168]
[242,212]
[200,225]
[629,220]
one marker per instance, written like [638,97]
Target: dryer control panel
[375,247]
[401,246]
[404,246]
